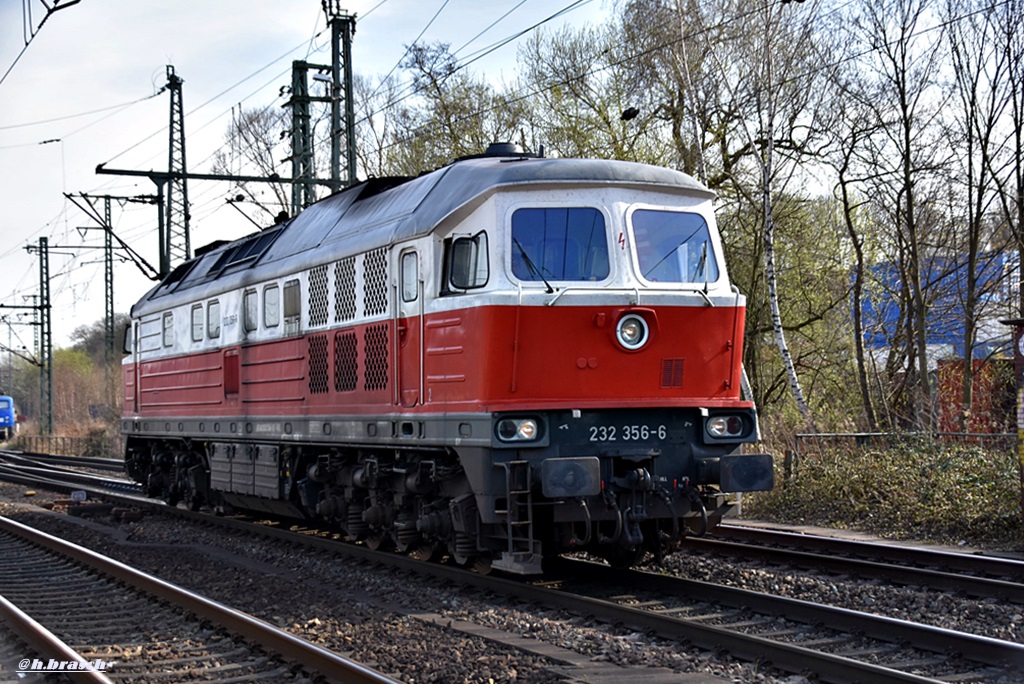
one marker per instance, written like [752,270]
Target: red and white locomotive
[504,359]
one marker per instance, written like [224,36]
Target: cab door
[136,366]
[409,327]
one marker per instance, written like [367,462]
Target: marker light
[725,426]
[517,430]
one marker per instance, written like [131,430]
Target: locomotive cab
[605,342]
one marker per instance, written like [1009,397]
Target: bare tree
[1008,37]
[258,145]
[588,98]
[849,132]
[375,124]
[771,64]
[451,113]
[903,58]
[980,96]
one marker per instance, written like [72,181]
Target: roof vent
[504,149]
[510,151]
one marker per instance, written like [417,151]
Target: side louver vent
[672,373]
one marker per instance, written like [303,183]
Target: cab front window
[673,247]
[559,243]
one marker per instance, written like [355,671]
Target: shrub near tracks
[920,488]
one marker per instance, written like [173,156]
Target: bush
[913,488]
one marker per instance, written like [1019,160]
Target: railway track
[783,633]
[778,632]
[75,606]
[836,644]
[981,576]
[64,473]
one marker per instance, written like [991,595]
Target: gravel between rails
[984,617]
[367,613]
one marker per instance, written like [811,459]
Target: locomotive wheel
[481,565]
[622,558]
[378,540]
[427,551]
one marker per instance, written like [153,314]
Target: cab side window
[250,310]
[167,336]
[271,306]
[213,319]
[410,277]
[292,307]
[197,323]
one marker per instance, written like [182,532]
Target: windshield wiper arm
[533,269]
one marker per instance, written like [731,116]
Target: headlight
[632,332]
[725,426]
[517,429]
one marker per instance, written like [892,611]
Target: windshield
[559,244]
[674,247]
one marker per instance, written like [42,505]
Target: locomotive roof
[381,212]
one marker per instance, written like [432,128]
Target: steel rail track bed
[927,649]
[37,573]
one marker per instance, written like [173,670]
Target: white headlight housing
[517,429]
[725,426]
[632,332]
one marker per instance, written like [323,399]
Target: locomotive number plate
[627,433]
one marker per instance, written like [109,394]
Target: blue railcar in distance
[8,419]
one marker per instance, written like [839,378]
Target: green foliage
[813,281]
[912,488]
[91,338]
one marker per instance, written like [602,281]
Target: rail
[328,664]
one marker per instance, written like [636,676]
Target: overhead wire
[629,58]
[492,25]
[411,90]
[370,11]
[214,98]
[66,117]
[29,32]
[409,47]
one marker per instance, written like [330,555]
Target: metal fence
[99,445]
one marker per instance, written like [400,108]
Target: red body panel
[486,358]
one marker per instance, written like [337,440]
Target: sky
[84,92]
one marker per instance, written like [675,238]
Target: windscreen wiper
[533,269]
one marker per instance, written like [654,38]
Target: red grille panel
[672,373]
